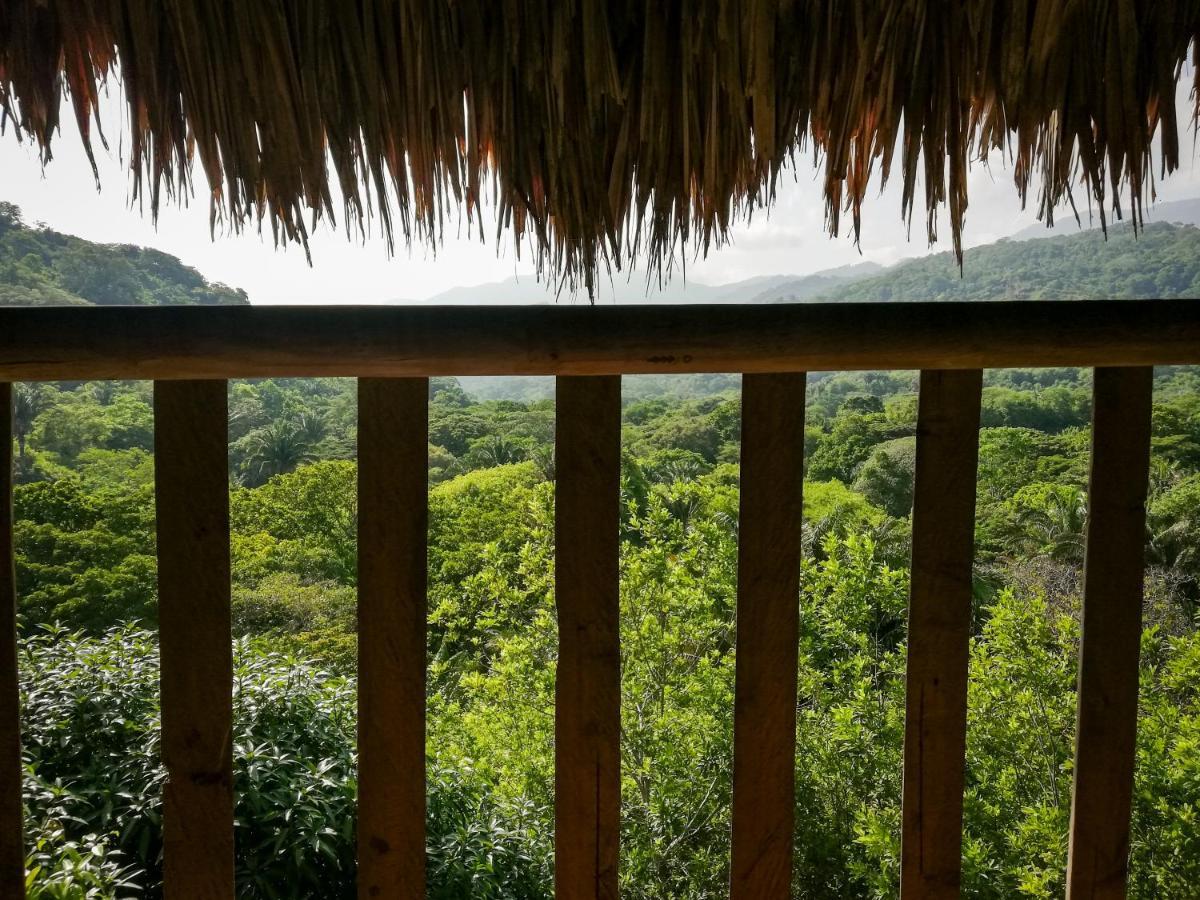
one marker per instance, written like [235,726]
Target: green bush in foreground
[93,782]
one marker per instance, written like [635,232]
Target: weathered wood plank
[192,500]
[768,604]
[1106,729]
[939,633]
[393,481]
[243,342]
[12,849]
[587,777]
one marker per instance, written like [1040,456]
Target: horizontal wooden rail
[245,342]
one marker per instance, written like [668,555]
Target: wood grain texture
[939,633]
[768,604]
[587,774]
[242,342]
[1106,729]
[12,850]
[192,500]
[393,486]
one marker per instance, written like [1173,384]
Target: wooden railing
[191,352]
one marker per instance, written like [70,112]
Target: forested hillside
[39,266]
[42,267]
[1161,261]
[86,576]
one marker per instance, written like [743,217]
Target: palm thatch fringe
[606,131]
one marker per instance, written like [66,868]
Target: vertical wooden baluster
[12,850]
[587,777]
[1106,728]
[768,604]
[939,633]
[191,480]
[393,481]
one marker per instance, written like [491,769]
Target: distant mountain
[809,287]
[621,289]
[42,267]
[627,290]
[1161,261]
[1174,212]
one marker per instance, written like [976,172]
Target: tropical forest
[88,658]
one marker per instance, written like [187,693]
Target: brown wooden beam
[587,703]
[12,848]
[241,342]
[768,605]
[1106,728]
[393,483]
[192,499]
[939,633]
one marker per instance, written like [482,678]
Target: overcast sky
[790,240]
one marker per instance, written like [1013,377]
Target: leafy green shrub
[93,781]
[886,478]
[303,522]
[85,557]
[58,868]
[90,737]
[317,621]
[851,438]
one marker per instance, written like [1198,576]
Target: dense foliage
[85,537]
[93,791]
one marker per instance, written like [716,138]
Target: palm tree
[681,470]
[1060,525]
[28,400]
[683,505]
[278,448]
[103,392]
[1163,476]
[1170,544]
[311,428]
[543,458]
[498,450]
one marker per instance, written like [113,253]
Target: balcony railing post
[12,850]
[1106,730]
[768,603]
[192,500]
[393,480]
[939,633]
[587,755]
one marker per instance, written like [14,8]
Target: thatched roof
[605,130]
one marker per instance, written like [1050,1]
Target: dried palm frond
[606,131]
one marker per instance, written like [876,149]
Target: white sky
[790,240]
